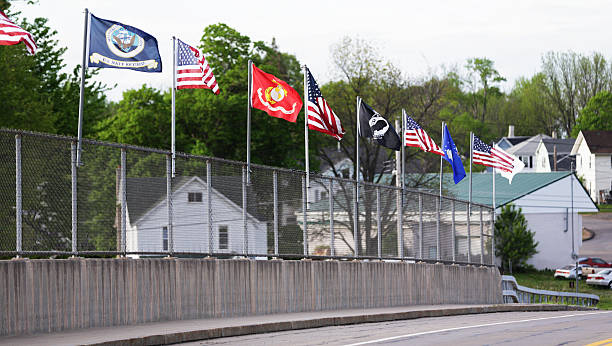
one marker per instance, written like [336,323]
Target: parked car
[603,278]
[590,270]
[595,262]
[568,272]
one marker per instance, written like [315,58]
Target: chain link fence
[125,200]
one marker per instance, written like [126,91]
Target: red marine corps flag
[274,96]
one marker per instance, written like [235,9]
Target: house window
[194,197]
[323,194]
[610,161]
[530,161]
[223,237]
[165,239]
[317,195]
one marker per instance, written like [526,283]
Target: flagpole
[493,226]
[400,234]
[307,161]
[470,198]
[356,221]
[82,88]
[173,145]
[442,161]
[250,87]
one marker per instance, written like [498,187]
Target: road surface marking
[476,326]
[602,342]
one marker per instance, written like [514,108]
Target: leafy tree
[486,76]
[514,243]
[597,115]
[572,80]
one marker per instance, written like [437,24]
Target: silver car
[568,272]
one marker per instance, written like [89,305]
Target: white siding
[541,163]
[190,225]
[603,173]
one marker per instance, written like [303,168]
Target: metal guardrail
[514,293]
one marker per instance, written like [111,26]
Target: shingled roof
[599,142]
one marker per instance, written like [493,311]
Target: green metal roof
[482,186]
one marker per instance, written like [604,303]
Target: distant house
[147,216]
[526,151]
[554,154]
[546,201]
[593,150]
[511,140]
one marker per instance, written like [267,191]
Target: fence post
[469,233]
[493,237]
[18,197]
[356,221]
[481,239]
[439,207]
[400,227]
[245,240]
[275,193]
[420,226]
[211,248]
[304,211]
[453,230]
[73,182]
[123,190]
[169,204]
[378,222]
[331,217]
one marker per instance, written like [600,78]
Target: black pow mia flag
[374,125]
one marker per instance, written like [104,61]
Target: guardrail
[514,293]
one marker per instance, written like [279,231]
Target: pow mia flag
[374,125]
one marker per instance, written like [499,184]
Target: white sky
[415,35]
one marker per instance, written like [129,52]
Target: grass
[605,208]
[544,280]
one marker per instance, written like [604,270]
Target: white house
[526,150]
[147,216]
[551,203]
[593,150]
[554,154]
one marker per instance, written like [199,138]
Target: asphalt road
[510,328]
[601,244]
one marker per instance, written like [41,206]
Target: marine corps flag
[274,96]
[374,125]
[116,45]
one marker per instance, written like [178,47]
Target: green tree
[514,243]
[597,115]
[482,79]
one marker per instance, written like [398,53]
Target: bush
[514,243]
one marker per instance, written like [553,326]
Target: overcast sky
[415,35]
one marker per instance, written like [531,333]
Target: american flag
[415,136]
[11,34]
[483,154]
[320,116]
[192,69]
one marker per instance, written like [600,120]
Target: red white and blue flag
[192,70]
[486,155]
[415,136]
[11,34]
[320,116]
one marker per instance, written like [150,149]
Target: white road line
[476,326]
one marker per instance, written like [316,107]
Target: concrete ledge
[160,333]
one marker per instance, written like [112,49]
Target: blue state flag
[452,156]
[116,45]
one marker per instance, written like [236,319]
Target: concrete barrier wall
[54,295]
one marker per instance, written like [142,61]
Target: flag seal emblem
[124,43]
[275,94]
[379,126]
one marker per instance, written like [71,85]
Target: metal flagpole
[173,145]
[402,185]
[82,88]
[250,81]
[356,174]
[493,225]
[306,160]
[469,214]
[442,161]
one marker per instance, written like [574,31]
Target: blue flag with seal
[116,45]
[451,154]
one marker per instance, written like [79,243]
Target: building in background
[593,150]
[554,154]
[526,151]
